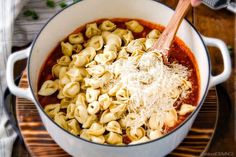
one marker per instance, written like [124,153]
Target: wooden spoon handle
[165,40]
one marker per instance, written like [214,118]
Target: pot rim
[120,146]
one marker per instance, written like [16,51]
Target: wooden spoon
[165,40]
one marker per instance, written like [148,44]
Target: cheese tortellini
[92,30]
[113,138]
[93,101]
[107,26]
[52,109]
[154,34]
[71,89]
[134,26]
[60,119]
[76,38]
[48,88]
[185,109]
[66,48]
[96,42]
[114,126]
[73,126]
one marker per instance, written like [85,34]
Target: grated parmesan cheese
[153,86]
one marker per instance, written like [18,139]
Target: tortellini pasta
[75,74]
[96,42]
[134,45]
[81,114]
[80,60]
[70,111]
[96,70]
[171,118]
[73,127]
[114,89]
[92,63]
[186,84]
[122,94]
[130,120]
[96,129]
[122,54]
[154,134]
[85,135]
[81,100]
[98,139]
[107,117]
[104,101]
[56,70]
[60,95]
[76,38]
[105,34]
[62,72]
[83,86]
[90,52]
[92,95]
[113,138]
[66,48]
[60,119]
[155,123]
[135,134]
[77,48]
[114,126]
[65,103]
[111,50]
[118,108]
[93,107]
[52,109]
[49,87]
[64,60]
[185,109]
[142,140]
[113,39]
[94,101]
[107,26]
[128,37]
[134,26]
[122,123]
[154,34]
[90,120]
[149,43]
[120,32]
[92,30]
[71,89]
[110,53]
[175,94]
[93,82]
[100,59]
[65,79]
[106,77]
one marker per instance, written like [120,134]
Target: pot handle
[21,92]
[214,80]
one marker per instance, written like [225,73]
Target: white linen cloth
[17,33]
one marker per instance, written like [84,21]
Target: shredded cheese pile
[153,86]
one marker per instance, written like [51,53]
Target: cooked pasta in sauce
[105,84]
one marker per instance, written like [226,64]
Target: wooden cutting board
[40,144]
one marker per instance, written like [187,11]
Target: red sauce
[179,52]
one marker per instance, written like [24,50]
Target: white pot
[86,11]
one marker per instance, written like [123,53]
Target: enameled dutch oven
[65,22]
